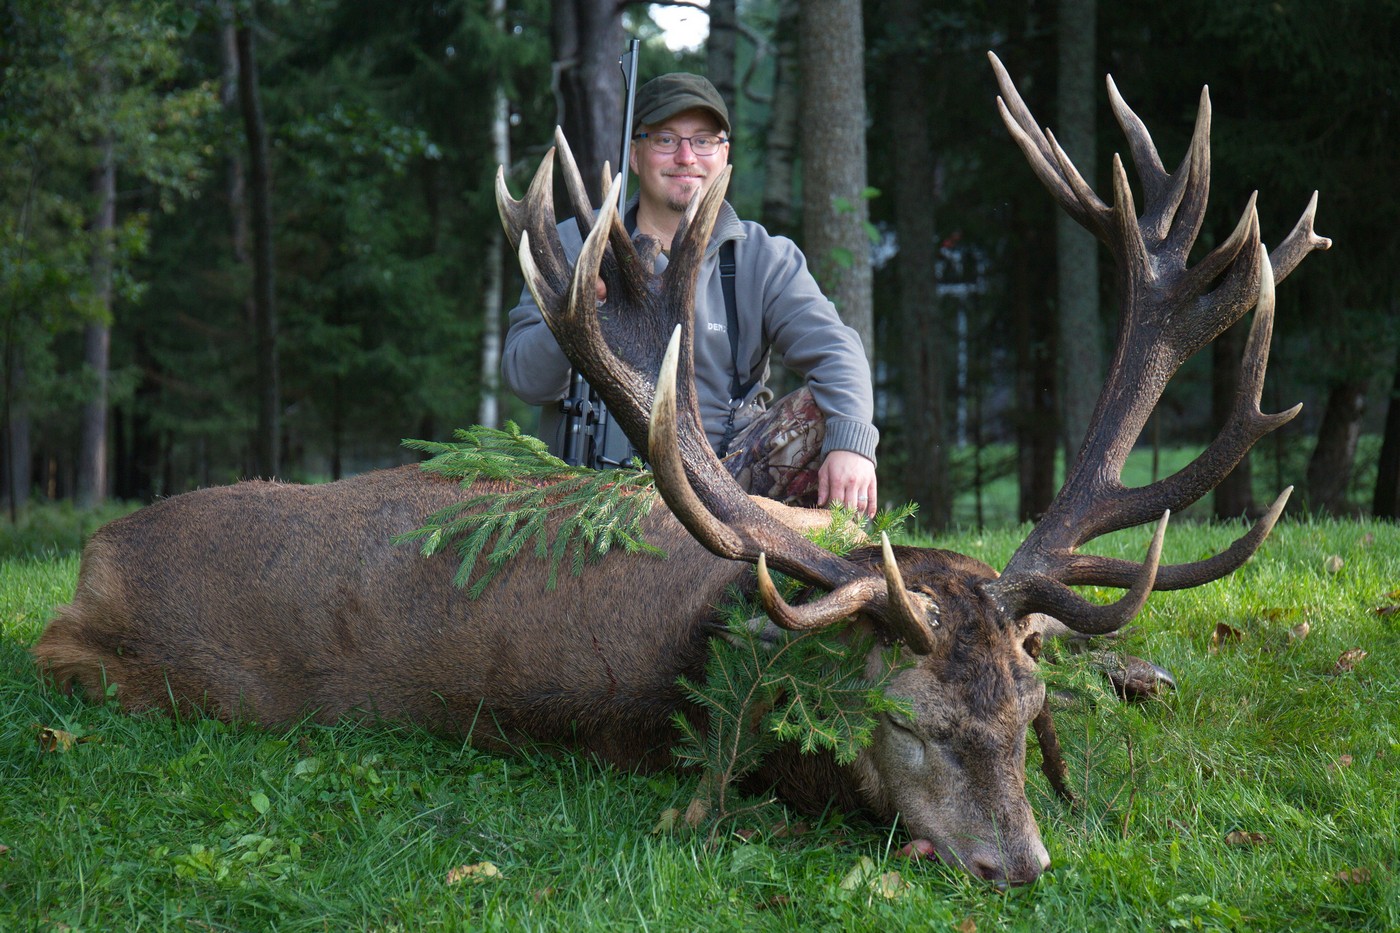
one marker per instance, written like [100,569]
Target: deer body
[273,602]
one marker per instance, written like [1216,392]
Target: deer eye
[1032,645]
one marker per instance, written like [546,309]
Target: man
[814,446]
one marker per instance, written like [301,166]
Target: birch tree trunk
[488,412]
[835,213]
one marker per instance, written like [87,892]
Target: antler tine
[512,211]
[573,183]
[1041,154]
[1301,241]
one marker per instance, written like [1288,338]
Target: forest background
[258,238]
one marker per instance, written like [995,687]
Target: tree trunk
[721,53]
[488,411]
[1329,470]
[835,213]
[1386,503]
[1077,252]
[1234,496]
[266,442]
[97,335]
[18,453]
[1037,429]
[588,42]
[924,341]
[780,151]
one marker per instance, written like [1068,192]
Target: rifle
[585,439]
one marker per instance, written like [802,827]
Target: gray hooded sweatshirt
[780,309]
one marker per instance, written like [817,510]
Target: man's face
[670,180]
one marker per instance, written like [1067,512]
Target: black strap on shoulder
[727,269]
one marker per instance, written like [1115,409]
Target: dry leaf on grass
[1343,761]
[56,740]
[1354,876]
[1224,635]
[667,821]
[1299,631]
[478,872]
[773,903]
[4,850]
[1386,610]
[1348,660]
[1333,564]
[695,813]
[1241,838]
[968,925]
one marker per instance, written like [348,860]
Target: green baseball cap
[670,94]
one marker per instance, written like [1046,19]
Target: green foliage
[810,688]
[158,824]
[564,510]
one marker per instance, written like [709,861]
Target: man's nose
[684,153]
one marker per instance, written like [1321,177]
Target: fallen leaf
[968,925]
[1386,610]
[863,871]
[542,894]
[1354,876]
[1333,564]
[774,902]
[56,740]
[1349,659]
[1393,594]
[746,834]
[4,850]
[1343,761]
[791,829]
[696,811]
[1299,631]
[667,822]
[891,884]
[1224,634]
[1368,539]
[478,872]
[1241,838]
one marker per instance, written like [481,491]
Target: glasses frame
[684,139]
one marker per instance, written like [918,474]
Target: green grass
[193,825]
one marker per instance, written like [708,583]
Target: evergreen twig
[601,509]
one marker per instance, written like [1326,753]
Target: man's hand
[848,478]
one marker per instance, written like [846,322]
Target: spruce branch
[528,496]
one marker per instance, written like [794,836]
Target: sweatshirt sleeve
[811,338]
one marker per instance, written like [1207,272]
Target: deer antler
[1169,312]
[617,345]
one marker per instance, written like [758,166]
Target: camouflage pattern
[777,455]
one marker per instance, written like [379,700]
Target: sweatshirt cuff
[856,436]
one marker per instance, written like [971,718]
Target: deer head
[969,637]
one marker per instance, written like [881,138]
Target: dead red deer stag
[271,602]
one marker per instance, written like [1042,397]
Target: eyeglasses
[667,143]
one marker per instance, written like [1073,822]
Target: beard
[679,202]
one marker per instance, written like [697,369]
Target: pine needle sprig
[590,511]
[810,688]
